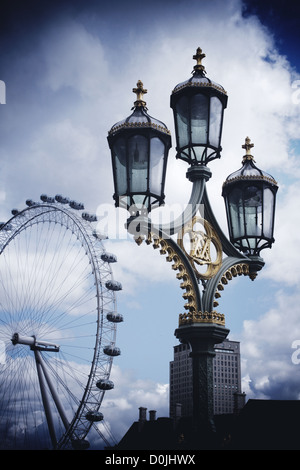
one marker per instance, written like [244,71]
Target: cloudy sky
[69,71]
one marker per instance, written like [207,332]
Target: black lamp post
[139,149]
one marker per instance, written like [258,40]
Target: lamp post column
[202,338]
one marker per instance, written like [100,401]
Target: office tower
[228,396]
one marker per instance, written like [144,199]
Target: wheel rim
[53,288]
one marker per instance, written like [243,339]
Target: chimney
[152,415]
[142,415]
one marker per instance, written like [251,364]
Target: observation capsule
[113,285]
[112,351]
[76,205]
[105,384]
[30,203]
[94,416]
[62,199]
[46,198]
[5,226]
[114,317]
[109,257]
[89,217]
[99,235]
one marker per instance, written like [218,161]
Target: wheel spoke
[53,305]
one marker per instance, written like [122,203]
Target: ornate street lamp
[139,149]
[198,105]
[250,195]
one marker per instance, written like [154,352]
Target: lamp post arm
[228,248]
[179,260]
[194,291]
[174,226]
[231,267]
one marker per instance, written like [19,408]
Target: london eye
[58,322]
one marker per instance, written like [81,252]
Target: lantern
[198,105]
[139,150]
[250,196]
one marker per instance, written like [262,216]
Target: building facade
[228,396]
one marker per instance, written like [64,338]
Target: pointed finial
[140,91]
[248,146]
[198,57]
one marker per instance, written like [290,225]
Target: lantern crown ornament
[250,196]
[139,150]
[198,105]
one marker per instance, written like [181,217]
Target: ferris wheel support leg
[45,399]
[54,394]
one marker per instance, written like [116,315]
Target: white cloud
[81,86]
[67,150]
[283,261]
[121,405]
[74,58]
[267,348]
[139,264]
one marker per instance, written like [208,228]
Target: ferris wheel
[58,322]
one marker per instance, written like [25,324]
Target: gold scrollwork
[199,252]
[236,270]
[193,315]
[178,264]
[202,317]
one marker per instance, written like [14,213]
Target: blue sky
[69,68]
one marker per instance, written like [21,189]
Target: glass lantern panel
[138,153]
[236,212]
[199,119]
[215,120]
[249,244]
[182,118]
[119,152]
[253,210]
[199,153]
[139,201]
[269,203]
[157,150]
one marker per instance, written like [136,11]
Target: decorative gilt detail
[202,317]
[139,240]
[140,92]
[144,125]
[250,177]
[248,146]
[236,270]
[198,57]
[199,252]
[207,84]
[178,264]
